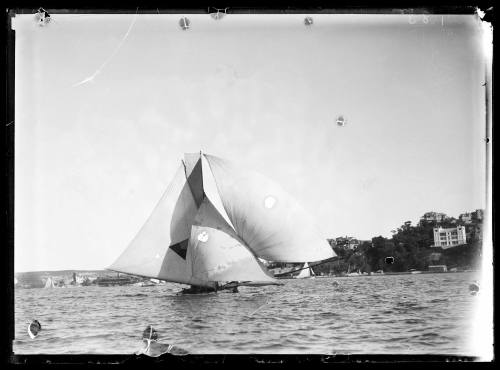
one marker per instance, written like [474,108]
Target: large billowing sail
[214,222]
[159,249]
[270,222]
[216,254]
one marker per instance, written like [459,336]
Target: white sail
[217,254]
[202,183]
[159,249]
[270,222]
[212,193]
[212,225]
[209,216]
[306,272]
[49,283]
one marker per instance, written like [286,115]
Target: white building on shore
[450,237]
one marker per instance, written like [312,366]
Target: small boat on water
[413,271]
[215,225]
[49,283]
[306,272]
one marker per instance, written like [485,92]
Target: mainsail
[214,222]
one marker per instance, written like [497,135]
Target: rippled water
[391,314]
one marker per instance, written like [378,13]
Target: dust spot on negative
[34,328]
[269,202]
[185,23]
[203,236]
[474,288]
[149,333]
[341,121]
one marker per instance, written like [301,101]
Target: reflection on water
[421,314]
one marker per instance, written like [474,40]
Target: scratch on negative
[91,78]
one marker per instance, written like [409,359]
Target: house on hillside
[433,217]
[472,217]
[466,218]
[449,237]
[478,215]
[347,242]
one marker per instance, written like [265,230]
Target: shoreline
[20,286]
[400,273]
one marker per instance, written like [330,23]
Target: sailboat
[216,224]
[49,283]
[306,273]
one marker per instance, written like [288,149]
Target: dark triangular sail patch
[195,178]
[180,248]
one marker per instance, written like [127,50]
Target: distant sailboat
[306,272]
[215,224]
[49,283]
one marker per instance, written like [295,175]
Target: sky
[93,158]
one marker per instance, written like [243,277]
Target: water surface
[391,314]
